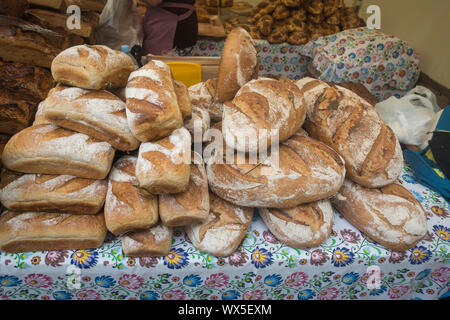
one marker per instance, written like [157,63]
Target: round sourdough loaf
[238,64]
[203,95]
[304,226]
[351,126]
[223,231]
[304,170]
[263,110]
[391,215]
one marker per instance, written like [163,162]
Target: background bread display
[126,209]
[304,226]
[98,114]
[31,231]
[390,215]
[49,149]
[351,126]
[51,193]
[152,104]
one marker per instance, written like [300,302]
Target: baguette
[98,114]
[238,64]
[126,209]
[164,166]
[156,241]
[390,215]
[51,193]
[307,171]
[223,231]
[351,126]
[39,231]
[49,149]
[191,206]
[94,67]
[305,226]
[263,109]
[152,104]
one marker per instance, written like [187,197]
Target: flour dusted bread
[39,117]
[40,231]
[152,103]
[93,67]
[191,206]
[351,126]
[264,109]
[163,166]
[203,95]
[96,113]
[198,124]
[305,226]
[238,64]
[184,101]
[304,170]
[51,193]
[49,149]
[390,215]
[152,242]
[223,231]
[126,209]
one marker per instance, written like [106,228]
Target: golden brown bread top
[184,102]
[310,215]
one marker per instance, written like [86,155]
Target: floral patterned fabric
[341,268]
[383,63]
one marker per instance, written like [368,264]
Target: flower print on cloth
[419,255]
[296,279]
[84,259]
[62,295]
[149,295]
[261,258]
[342,257]
[9,281]
[217,280]
[105,281]
[386,65]
[56,258]
[131,281]
[192,280]
[38,280]
[273,280]
[176,259]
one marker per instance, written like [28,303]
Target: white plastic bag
[412,117]
[120,24]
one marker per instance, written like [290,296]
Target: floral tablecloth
[262,268]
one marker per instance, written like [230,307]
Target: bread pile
[92,163]
[300,21]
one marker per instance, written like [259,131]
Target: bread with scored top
[153,242]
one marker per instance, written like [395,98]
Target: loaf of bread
[263,109]
[351,126]
[198,124]
[305,226]
[49,149]
[152,104]
[223,231]
[96,113]
[191,206]
[30,82]
[94,67]
[126,209]
[203,94]
[390,215]
[58,21]
[41,231]
[15,113]
[28,43]
[163,166]
[153,242]
[184,101]
[51,193]
[39,117]
[238,64]
[304,170]
[3,140]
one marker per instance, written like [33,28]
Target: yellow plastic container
[187,72]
